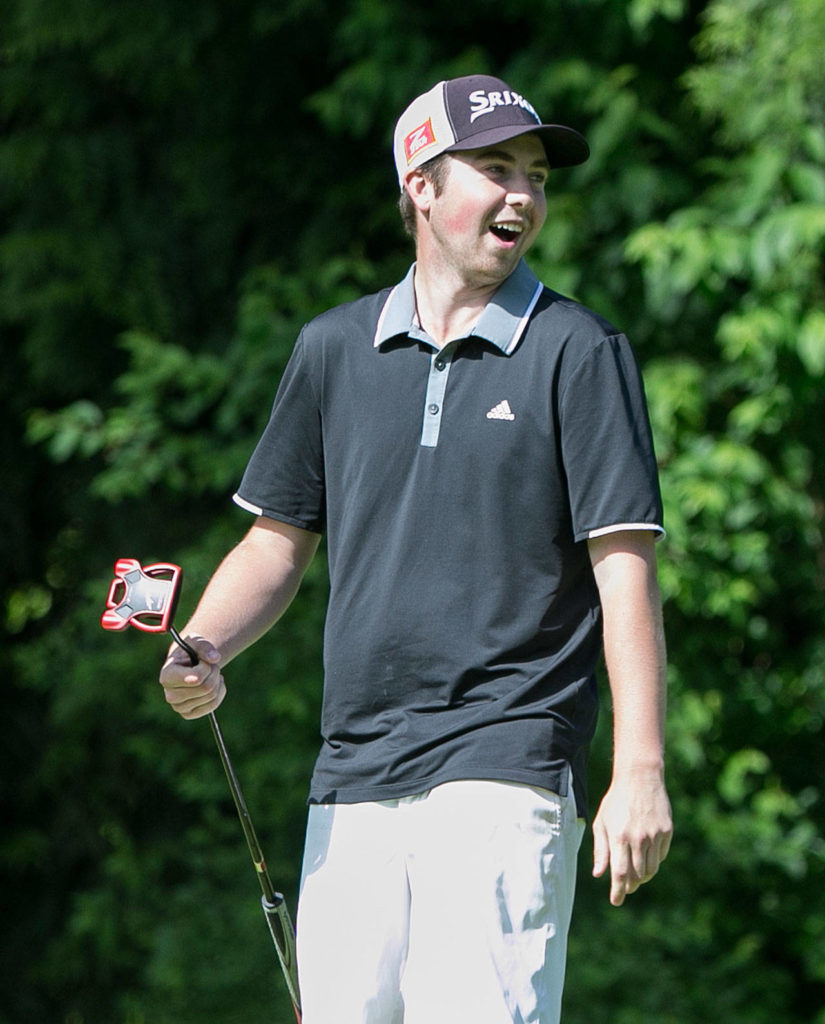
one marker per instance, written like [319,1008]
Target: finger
[197,708]
[189,682]
[653,854]
[621,882]
[195,701]
[664,845]
[643,864]
[650,864]
[601,849]
[179,674]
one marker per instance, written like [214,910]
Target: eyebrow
[503,154]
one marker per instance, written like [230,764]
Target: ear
[420,191]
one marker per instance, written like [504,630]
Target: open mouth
[506,232]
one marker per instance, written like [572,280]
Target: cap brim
[565,147]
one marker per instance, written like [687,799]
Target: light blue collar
[502,323]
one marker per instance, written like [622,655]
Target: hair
[435,171]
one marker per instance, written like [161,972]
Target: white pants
[450,907]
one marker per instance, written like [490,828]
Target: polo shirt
[457,489]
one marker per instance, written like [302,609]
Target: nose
[520,192]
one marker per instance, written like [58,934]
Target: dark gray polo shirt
[457,489]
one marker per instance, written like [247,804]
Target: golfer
[477,451]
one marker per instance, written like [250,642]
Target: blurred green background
[182,185]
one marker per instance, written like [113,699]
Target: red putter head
[144,597]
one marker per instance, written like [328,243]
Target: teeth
[509,226]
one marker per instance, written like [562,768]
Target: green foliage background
[181,186]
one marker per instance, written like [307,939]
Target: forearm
[252,587]
[635,657]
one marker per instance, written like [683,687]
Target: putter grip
[193,657]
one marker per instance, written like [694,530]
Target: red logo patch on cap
[418,139]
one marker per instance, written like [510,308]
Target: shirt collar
[502,322]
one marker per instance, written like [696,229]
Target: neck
[448,308]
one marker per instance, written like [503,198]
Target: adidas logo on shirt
[502,411]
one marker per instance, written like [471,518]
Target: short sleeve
[284,478]
[607,444]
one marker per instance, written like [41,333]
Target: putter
[145,597]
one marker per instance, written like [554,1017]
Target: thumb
[191,649]
[204,649]
[601,849]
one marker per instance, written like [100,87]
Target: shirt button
[433,409]
[440,364]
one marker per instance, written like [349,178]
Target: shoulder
[564,335]
[561,313]
[360,315]
[589,353]
[341,335]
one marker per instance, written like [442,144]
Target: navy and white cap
[471,113]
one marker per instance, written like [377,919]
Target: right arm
[250,590]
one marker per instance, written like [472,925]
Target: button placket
[440,363]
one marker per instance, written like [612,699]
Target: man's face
[490,210]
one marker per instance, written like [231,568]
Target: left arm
[633,827]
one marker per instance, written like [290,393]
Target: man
[477,449]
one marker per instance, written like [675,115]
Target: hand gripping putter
[145,597]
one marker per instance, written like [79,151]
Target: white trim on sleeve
[254,509]
[602,531]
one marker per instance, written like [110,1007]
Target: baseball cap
[473,112]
